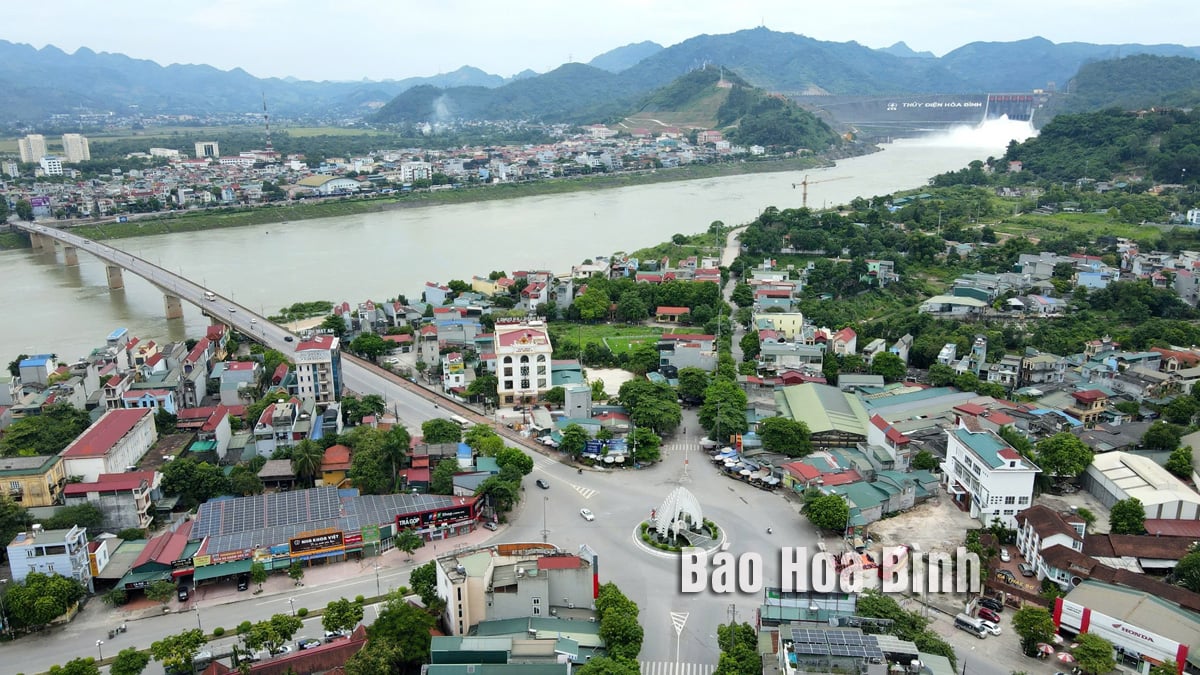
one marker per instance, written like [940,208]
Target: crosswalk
[586,493]
[672,668]
[543,464]
[678,447]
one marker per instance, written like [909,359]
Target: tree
[501,492]
[484,387]
[244,481]
[258,574]
[1093,654]
[164,422]
[1127,516]
[405,628]
[1162,436]
[409,541]
[1187,571]
[692,383]
[574,440]
[161,591]
[424,581]
[609,665]
[890,366]
[924,461]
[86,515]
[307,457]
[739,650]
[645,445]
[941,375]
[441,430]
[1063,455]
[334,324]
[1033,624]
[370,346]
[175,652]
[785,436]
[272,633]
[47,433]
[41,598]
[593,304]
[642,358]
[828,512]
[24,210]
[750,346]
[115,597]
[515,457]
[631,308]
[295,571]
[129,661]
[1180,462]
[555,396]
[619,628]
[341,615]
[195,482]
[81,666]
[742,295]
[660,414]
[1165,668]
[724,410]
[441,482]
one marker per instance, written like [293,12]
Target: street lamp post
[3,616]
[198,625]
[377,591]
[292,602]
[545,532]
[100,648]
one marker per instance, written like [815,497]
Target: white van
[971,625]
[209,295]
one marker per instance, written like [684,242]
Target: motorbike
[769,530]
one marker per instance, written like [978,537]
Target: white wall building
[75,147]
[983,472]
[319,369]
[51,166]
[32,148]
[210,149]
[61,552]
[522,360]
[1114,476]
[410,171]
[115,442]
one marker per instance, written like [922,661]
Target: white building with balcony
[61,552]
[118,440]
[125,499]
[985,475]
[522,361]
[319,369]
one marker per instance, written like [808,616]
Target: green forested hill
[1135,82]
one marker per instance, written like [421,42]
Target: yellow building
[787,324]
[335,465]
[33,481]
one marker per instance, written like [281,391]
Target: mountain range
[39,82]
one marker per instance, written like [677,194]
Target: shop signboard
[201,560]
[230,556]
[370,533]
[315,543]
[355,538]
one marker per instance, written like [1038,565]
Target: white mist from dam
[69,310]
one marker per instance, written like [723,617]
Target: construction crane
[806,182]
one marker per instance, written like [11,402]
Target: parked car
[988,615]
[182,592]
[543,484]
[992,628]
[307,643]
[1004,556]
[587,515]
[992,604]
[1026,569]
[1006,576]
[490,525]
[243,582]
[288,338]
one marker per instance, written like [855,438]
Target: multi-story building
[125,499]
[682,350]
[1089,405]
[32,481]
[512,581]
[61,552]
[1040,528]
[523,353]
[209,149]
[113,444]
[32,148]
[75,147]
[51,165]
[985,475]
[454,373]
[283,424]
[319,369]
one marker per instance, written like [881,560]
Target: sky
[394,39]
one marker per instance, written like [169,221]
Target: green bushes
[218,631]
[244,627]
[359,599]
[302,612]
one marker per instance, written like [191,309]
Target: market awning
[222,570]
[133,580]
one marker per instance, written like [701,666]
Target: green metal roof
[222,570]
[144,577]
[823,408]
[985,444]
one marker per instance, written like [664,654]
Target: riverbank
[192,221]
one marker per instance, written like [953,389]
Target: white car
[990,627]
[1004,556]
[587,514]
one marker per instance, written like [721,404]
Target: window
[508,385]
[1008,512]
[1010,500]
[459,589]
[537,611]
[14,485]
[537,601]
[525,384]
[508,372]
[1023,500]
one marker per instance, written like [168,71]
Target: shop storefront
[1135,646]
[440,523]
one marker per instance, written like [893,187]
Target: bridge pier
[115,279]
[71,256]
[173,306]
[40,243]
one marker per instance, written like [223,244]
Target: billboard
[1131,639]
[433,518]
[314,543]
[370,533]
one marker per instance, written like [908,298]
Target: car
[243,582]
[288,338]
[307,643]
[988,615]
[182,592]
[282,649]
[490,525]
[1006,576]
[992,604]
[542,484]
[587,514]
[202,658]
[253,321]
[992,628]
[331,635]
[232,310]
[1004,556]
[1026,569]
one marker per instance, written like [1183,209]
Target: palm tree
[306,460]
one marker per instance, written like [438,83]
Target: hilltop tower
[267,122]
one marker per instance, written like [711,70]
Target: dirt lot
[936,525]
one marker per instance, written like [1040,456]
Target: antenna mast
[267,122]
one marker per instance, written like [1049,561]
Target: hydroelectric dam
[874,117]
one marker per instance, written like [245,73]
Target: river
[68,311]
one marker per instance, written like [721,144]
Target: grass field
[619,338]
